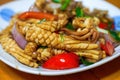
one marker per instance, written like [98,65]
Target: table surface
[108,71]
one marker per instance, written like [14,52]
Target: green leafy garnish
[69,26]
[110,25]
[114,34]
[85,62]
[43,47]
[41,21]
[62,37]
[57,1]
[79,12]
[64,4]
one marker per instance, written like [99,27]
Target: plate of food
[54,37]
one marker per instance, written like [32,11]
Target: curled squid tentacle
[80,33]
[84,36]
[30,49]
[46,53]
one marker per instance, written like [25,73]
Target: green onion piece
[85,62]
[39,64]
[79,12]
[86,16]
[118,34]
[57,1]
[109,25]
[102,30]
[41,21]
[114,35]
[43,47]
[62,37]
[69,26]
[64,4]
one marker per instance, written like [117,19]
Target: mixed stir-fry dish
[60,34]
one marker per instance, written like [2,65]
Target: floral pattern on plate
[6,14]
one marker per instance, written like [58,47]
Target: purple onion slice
[18,37]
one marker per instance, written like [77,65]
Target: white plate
[23,5]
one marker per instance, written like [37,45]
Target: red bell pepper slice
[103,25]
[107,26]
[108,48]
[36,15]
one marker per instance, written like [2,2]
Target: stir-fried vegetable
[69,26]
[65,4]
[85,62]
[102,30]
[108,47]
[103,25]
[36,15]
[110,25]
[107,26]
[57,1]
[62,61]
[43,47]
[18,37]
[79,12]
[43,20]
[62,37]
[115,35]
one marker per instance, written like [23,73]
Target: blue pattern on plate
[6,14]
[117,23]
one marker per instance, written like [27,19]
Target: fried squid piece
[30,49]
[10,46]
[92,55]
[85,22]
[49,25]
[85,29]
[62,19]
[44,24]
[58,41]
[46,53]
[40,4]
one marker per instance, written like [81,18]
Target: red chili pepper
[103,25]
[36,15]
[106,25]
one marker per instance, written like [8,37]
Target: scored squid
[42,35]
[44,53]
[44,24]
[47,38]
[10,46]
